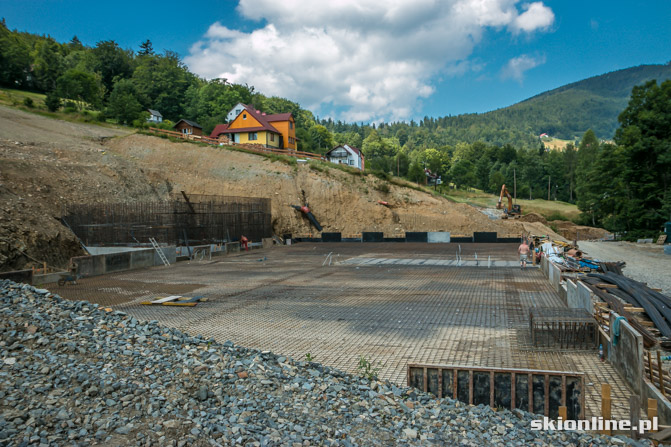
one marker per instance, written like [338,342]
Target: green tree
[462,174]
[47,64]
[588,188]
[123,104]
[321,138]
[111,63]
[416,173]
[146,48]
[81,87]
[52,101]
[645,138]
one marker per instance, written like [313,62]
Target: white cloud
[536,16]
[372,59]
[517,66]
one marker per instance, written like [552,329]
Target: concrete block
[485,236]
[331,237]
[416,236]
[438,237]
[267,242]
[372,236]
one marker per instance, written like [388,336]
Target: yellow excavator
[514,211]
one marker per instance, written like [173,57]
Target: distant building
[154,116]
[188,127]
[346,155]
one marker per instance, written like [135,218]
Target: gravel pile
[75,374]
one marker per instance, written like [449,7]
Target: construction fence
[196,220]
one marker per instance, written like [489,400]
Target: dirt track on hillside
[46,163]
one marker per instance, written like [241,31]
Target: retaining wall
[120,261]
[22,276]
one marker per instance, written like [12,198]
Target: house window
[252,136]
[186,131]
[272,137]
[237,111]
[351,162]
[244,116]
[291,125]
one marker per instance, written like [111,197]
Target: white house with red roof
[346,155]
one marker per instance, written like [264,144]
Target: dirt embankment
[568,230]
[46,163]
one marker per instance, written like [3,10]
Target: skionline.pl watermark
[594,424]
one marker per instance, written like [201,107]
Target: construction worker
[243,242]
[523,251]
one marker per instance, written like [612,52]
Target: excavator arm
[513,210]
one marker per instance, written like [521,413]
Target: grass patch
[32,102]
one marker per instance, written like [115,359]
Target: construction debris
[177,300]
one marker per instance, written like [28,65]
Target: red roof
[218,130]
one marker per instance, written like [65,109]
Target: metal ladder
[159,251]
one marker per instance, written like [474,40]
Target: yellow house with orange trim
[252,126]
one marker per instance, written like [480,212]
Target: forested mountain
[566,113]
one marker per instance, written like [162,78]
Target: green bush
[556,215]
[382,187]
[52,101]
[28,102]
[366,369]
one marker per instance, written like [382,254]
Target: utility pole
[397,166]
[549,177]
[515,184]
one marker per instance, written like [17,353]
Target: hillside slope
[565,112]
[46,163]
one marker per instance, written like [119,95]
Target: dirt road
[645,262]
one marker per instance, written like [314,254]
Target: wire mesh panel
[200,219]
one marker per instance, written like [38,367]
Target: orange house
[252,126]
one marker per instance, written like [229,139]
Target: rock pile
[75,374]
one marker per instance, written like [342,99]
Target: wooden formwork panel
[536,391]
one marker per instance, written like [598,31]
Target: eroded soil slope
[46,163]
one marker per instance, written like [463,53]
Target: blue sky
[376,59]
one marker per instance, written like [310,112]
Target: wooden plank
[562,412]
[652,410]
[491,389]
[166,299]
[547,395]
[603,285]
[661,373]
[605,405]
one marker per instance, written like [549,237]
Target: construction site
[321,265]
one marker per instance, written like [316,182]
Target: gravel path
[73,374]
[645,262]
